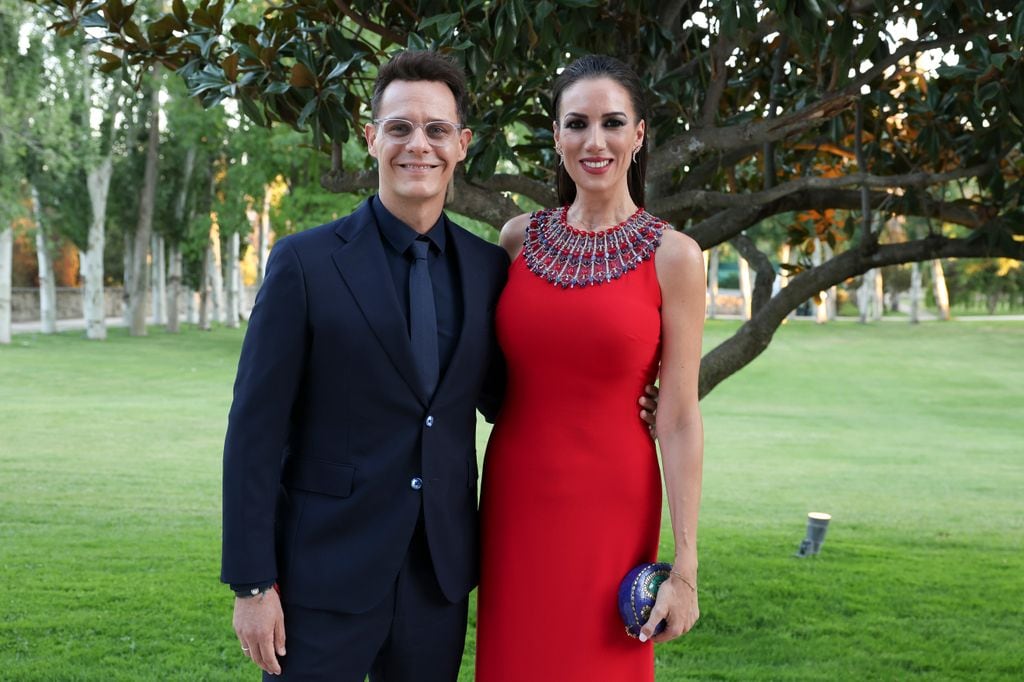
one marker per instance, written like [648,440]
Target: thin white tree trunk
[713,283]
[192,307]
[144,228]
[941,292]
[915,292]
[158,280]
[864,292]
[216,274]
[6,265]
[94,308]
[878,302]
[821,305]
[264,235]
[129,267]
[204,292]
[832,301]
[47,285]
[234,281]
[746,287]
[174,287]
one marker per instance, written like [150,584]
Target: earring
[636,150]
[558,150]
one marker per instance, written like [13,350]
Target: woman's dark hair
[601,66]
[422,65]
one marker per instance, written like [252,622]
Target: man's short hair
[422,65]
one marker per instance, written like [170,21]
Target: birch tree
[136,284]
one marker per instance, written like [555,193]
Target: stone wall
[25,303]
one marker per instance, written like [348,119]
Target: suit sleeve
[270,371]
[492,394]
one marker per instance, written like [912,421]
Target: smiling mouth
[417,166]
[596,164]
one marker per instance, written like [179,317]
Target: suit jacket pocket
[320,476]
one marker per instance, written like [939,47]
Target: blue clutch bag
[637,593]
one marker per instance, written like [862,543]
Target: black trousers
[414,635]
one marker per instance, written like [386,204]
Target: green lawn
[911,437]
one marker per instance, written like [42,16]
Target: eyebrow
[578,115]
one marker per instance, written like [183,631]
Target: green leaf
[250,109]
[444,22]
[180,11]
[306,112]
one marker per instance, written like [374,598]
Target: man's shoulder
[477,245]
[316,237]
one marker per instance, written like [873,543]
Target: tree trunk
[746,287]
[174,287]
[712,283]
[94,308]
[878,301]
[159,280]
[144,228]
[234,281]
[264,235]
[821,304]
[941,292]
[129,260]
[915,293]
[47,285]
[216,275]
[192,307]
[864,297]
[6,256]
[832,300]
[204,292]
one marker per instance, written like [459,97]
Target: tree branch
[724,225]
[683,148]
[708,200]
[754,335]
[762,266]
[482,203]
[541,192]
[369,25]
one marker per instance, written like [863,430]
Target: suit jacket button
[430,421]
[416,483]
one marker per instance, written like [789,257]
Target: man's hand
[259,624]
[649,408]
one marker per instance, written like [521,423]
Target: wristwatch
[250,591]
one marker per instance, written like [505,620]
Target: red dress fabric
[571,497]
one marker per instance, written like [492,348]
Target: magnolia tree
[833,117]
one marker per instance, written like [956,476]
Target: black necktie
[423,317]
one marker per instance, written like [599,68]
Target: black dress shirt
[396,237]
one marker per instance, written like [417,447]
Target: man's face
[418,169]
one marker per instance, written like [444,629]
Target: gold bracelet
[685,581]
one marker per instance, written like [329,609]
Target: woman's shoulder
[513,233]
[678,259]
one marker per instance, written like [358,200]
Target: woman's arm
[680,268]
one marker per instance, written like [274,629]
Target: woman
[601,294]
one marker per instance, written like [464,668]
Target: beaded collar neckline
[569,257]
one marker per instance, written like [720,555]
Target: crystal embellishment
[568,257]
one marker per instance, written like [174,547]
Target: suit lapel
[474,305]
[363,267]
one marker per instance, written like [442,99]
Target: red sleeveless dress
[571,497]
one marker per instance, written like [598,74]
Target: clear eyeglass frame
[439,133]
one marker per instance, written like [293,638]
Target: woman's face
[597,131]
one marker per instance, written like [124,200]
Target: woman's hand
[676,603]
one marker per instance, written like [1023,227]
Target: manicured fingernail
[643,637]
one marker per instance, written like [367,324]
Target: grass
[909,435]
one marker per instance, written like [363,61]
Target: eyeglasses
[399,131]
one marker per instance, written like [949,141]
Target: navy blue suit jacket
[328,427]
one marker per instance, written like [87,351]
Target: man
[350,471]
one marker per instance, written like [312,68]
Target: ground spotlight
[817,524]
